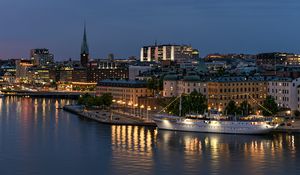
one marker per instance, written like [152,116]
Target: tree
[192,103]
[244,108]
[297,113]
[84,99]
[152,84]
[270,107]
[107,99]
[231,108]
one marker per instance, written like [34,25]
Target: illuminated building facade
[104,69]
[174,87]
[22,67]
[222,90]
[123,90]
[158,53]
[284,90]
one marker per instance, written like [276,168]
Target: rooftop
[123,83]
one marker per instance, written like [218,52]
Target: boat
[222,124]
[215,122]
[291,125]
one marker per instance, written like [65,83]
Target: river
[37,138]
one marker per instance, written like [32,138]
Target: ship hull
[207,126]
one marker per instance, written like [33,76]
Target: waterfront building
[41,57]
[22,67]
[103,69]
[39,75]
[158,53]
[222,90]
[79,74]
[77,86]
[174,85]
[9,78]
[124,91]
[84,54]
[65,74]
[284,90]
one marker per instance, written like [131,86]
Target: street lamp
[148,109]
[141,107]
[135,106]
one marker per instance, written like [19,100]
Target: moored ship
[220,124]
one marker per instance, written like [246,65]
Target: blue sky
[123,26]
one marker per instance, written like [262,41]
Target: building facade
[222,90]
[103,69]
[173,86]
[41,57]
[22,70]
[157,53]
[124,91]
[284,90]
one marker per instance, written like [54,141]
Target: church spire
[84,54]
[84,45]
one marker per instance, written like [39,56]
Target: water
[37,138]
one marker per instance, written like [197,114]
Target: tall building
[159,53]
[84,54]
[41,57]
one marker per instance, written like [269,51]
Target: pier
[108,116]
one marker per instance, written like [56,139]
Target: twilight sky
[123,26]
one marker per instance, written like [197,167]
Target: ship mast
[180,106]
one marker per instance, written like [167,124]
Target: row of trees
[268,108]
[197,103]
[104,100]
[193,103]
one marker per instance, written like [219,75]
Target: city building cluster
[162,71]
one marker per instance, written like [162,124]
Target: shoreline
[107,117]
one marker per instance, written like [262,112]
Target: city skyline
[123,27]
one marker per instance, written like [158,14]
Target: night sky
[123,26]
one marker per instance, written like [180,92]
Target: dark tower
[84,54]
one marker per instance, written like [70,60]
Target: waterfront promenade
[45,94]
[112,117]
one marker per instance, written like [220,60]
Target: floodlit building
[157,53]
[174,85]
[22,67]
[103,69]
[284,90]
[222,90]
[124,91]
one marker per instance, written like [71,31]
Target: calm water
[36,138]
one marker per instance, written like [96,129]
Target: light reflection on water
[35,137]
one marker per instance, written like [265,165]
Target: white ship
[214,125]
[214,122]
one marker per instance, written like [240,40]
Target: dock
[108,117]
